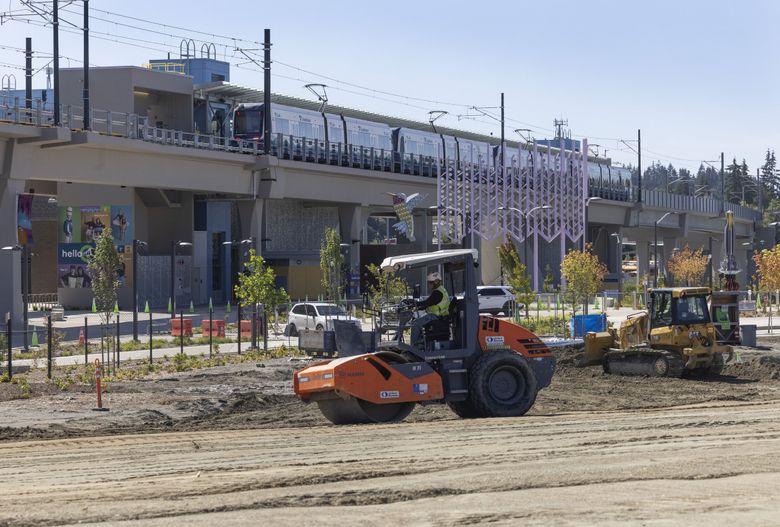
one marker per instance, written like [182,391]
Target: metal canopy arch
[479,198]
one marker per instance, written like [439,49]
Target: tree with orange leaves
[768,268]
[688,265]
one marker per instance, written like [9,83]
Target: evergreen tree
[769,176]
[734,182]
[686,182]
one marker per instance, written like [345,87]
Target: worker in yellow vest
[436,305]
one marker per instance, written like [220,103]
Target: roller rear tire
[502,384]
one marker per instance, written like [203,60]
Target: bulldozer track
[644,361]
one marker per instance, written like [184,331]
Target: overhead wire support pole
[267,93]
[28,54]
[87,120]
[722,187]
[639,165]
[503,148]
[56,45]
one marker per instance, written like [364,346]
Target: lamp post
[26,275]
[585,229]
[240,244]
[137,244]
[438,210]
[525,225]
[655,246]
[174,245]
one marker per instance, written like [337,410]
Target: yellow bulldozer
[674,335]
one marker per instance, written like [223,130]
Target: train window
[281,126]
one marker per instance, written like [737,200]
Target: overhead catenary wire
[231,43]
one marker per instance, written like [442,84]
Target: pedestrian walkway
[159,353]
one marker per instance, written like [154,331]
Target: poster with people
[74,276]
[24,219]
[93,221]
[73,260]
[122,223]
[69,225]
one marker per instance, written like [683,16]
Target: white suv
[495,299]
[316,315]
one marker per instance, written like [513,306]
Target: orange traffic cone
[81,337]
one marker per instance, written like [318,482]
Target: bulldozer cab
[679,306]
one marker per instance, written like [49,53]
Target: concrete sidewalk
[159,353]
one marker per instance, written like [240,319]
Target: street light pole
[136,245]
[585,229]
[655,246]
[174,244]
[525,215]
[172,297]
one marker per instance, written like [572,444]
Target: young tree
[768,268]
[384,287]
[688,266]
[104,266]
[584,275]
[548,279]
[257,285]
[515,273]
[331,265]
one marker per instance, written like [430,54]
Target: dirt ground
[238,447]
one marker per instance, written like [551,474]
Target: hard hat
[69,209]
[434,277]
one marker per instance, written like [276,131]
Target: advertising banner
[73,258]
[24,219]
[93,221]
[74,276]
[69,225]
[122,223]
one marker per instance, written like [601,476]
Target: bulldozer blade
[356,411]
[596,346]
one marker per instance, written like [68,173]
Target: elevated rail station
[176,160]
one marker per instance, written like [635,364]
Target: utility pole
[87,123]
[758,190]
[639,165]
[267,94]
[722,186]
[56,32]
[28,75]
[503,148]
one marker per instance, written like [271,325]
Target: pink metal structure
[489,200]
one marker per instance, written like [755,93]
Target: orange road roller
[480,366]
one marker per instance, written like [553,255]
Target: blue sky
[698,77]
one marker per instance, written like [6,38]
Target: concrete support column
[257,225]
[670,243]
[10,261]
[643,258]
[717,257]
[489,262]
[351,220]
